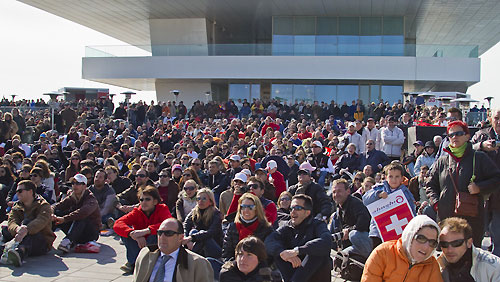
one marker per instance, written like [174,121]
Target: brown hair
[393,166]
[151,191]
[341,181]
[456,224]
[252,245]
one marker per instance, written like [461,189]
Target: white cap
[271,164]
[80,178]
[247,172]
[317,143]
[235,158]
[241,176]
[351,124]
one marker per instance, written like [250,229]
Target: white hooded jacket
[411,230]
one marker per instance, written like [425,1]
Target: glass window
[347,93]
[349,26]
[326,26]
[326,45]
[370,45]
[393,45]
[391,93]
[254,91]
[304,26]
[282,92]
[303,92]
[371,26]
[283,45]
[304,45]
[325,93]
[283,25]
[393,26]
[364,94]
[375,93]
[239,91]
[348,45]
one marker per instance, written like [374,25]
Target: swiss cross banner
[391,215]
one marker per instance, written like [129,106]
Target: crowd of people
[252,191]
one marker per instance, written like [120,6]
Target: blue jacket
[374,158]
[373,195]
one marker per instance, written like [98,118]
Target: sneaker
[110,222]
[65,245]
[15,257]
[127,268]
[90,247]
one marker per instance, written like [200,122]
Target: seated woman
[138,227]
[250,263]
[186,200]
[203,226]
[250,220]
[284,202]
[410,258]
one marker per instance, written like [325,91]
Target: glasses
[140,175]
[201,198]
[77,183]
[297,208]
[250,207]
[422,240]
[75,159]
[368,144]
[147,199]
[185,159]
[189,188]
[186,175]
[285,199]
[454,244]
[458,133]
[163,176]
[168,233]
[170,158]
[196,164]
[254,186]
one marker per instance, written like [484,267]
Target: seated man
[138,227]
[29,224]
[105,196]
[78,215]
[301,248]
[461,261]
[169,258]
[350,224]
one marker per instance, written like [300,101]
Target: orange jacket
[388,262]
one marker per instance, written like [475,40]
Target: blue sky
[41,52]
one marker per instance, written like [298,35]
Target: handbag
[465,203]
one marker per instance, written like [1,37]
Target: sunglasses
[422,240]
[250,207]
[285,199]
[297,208]
[186,175]
[458,133]
[254,186]
[163,176]
[75,159]
[168,233]
[454,244]
[77,183]
[201,198]
[185,159]
[140,175]
[189,188]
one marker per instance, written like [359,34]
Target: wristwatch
[296,250]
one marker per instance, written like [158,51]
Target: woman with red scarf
[250,220]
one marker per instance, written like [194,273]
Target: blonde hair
[259,210]
[206,217]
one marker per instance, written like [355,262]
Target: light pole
[176,94]
[13,97]
[489,98]
[207,95]
[53,104]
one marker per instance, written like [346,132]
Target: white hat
[247,172]
[351,124]
[271,164]
[317,143]
[80,178]
[241,176]
[235,158]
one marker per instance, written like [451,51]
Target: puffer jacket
[137,220]
[485,266]
[389,262]
[232,238]
[391,141]
[205,232]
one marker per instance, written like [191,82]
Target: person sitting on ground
[129,199]
[29,224]
[460,260]
[117,182]
[169,261]
[168,189]
[350,224]
[138,227]
[105,196]
[276,179]
[77,215]
[250,263]
[41,189]
[226,197]
[186,200]
[301,249]
[410,258]
[284,202]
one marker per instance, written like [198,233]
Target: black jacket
[218,182]
[373,158]
[213,230]
[350,162]
[121,184]
[232,238]
[312,237]
[321,202]
[231,273]
[353,215]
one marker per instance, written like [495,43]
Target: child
[393,182]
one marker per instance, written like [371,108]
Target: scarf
[458,152]
[245,230]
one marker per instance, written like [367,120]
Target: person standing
[392,138]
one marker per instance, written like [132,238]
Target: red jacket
[269,208]
[278,183]
[137,220]
[272,125]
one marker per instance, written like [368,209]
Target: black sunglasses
[422,240]
[254,186]
[458,133]
[168,233]
[454,244]
[250,207]
[297,208]
[189,188]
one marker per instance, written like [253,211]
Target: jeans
[310,265]
[495,232]
[361,243]
[321,179]
[133,248]
[32,245]
[80,231]
[207,248]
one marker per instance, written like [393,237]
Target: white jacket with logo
[391,141]
[485,266]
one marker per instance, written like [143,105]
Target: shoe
[65,245]
[89,247]
[127,268]
[110,222]
[15,257]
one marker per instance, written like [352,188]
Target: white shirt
[169,266]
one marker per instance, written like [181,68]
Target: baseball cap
[317,143]
[241,176]
[80,178]
[370,119]
[418,142]
[306,167]
[271,164]
[351,124]
[235,158]
[176,166]
[429,144]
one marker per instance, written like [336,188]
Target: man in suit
[169,261]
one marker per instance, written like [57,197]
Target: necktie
[160,274]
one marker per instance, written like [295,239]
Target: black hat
[429,144]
